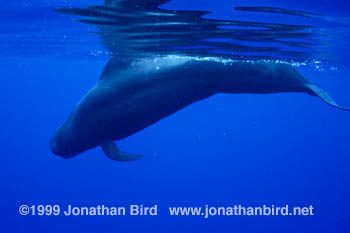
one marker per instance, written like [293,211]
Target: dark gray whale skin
[131,96]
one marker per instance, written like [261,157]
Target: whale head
[68,141]
[61,144]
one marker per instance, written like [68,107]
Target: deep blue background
[229,149]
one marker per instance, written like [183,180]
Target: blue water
[249,150]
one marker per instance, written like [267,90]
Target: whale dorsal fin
[112,151]
[113,65]
[324,96]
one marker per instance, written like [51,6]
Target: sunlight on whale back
[140,28]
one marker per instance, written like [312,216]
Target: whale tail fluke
[112,151]
[315,90]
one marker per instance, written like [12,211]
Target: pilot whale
[132,95]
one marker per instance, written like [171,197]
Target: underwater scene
[129,116]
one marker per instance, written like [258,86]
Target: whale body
[132,95]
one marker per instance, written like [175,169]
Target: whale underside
[132,95]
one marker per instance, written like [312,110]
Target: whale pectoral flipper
[324,96]
[112,151]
